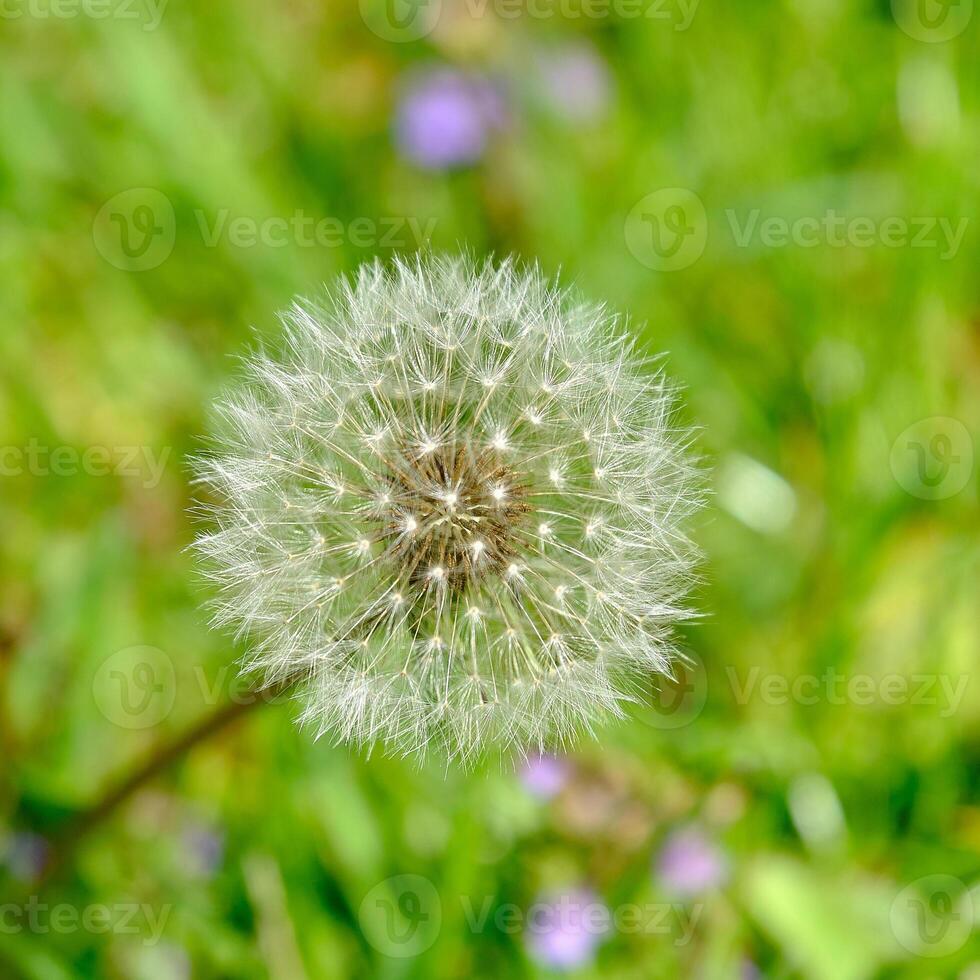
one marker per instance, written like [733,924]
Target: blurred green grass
[802,366]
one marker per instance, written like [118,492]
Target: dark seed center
[454,515]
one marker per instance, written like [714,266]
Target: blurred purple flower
[689,863]
[25,855]
[203,850]
[576,82]
[544,775]
[563,930]
[445,118]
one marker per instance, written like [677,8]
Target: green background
[804,365]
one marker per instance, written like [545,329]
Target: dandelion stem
[68,839]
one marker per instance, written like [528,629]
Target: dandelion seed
[455,503]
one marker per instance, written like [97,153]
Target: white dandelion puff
[454,506]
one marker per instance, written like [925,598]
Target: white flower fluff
[452,507]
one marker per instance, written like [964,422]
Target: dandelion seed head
[455,503]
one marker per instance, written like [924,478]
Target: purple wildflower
[544,775]
[689,863]
[26,855]
[563,931]
[203,850]
[445,118]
